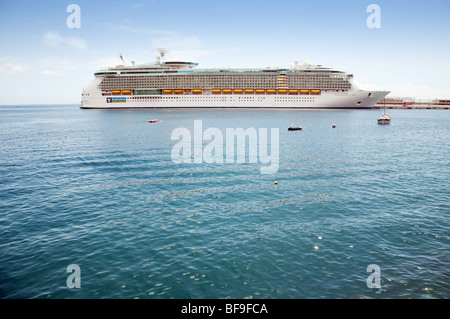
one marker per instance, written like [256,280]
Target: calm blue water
[99,189]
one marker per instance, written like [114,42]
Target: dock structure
[410,103]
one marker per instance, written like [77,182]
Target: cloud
[182,47]
[178,42]
[58,67]
[140,5]
[76,43]
[179,46]
[9,66]
[52,72]
[412,90]
[105,62]
[55,40]
[406,90]
[138,30]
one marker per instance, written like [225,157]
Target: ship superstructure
[175,84]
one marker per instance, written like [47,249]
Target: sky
[49,53]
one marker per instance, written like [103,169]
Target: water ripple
[100,190]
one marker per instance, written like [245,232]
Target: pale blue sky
[43,61]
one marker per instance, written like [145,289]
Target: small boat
[153,121]
[333,125]
[384,119]
[291,128]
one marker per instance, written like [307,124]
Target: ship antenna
[162,53]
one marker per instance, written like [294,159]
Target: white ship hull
[359,99]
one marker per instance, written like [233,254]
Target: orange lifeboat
[167,91]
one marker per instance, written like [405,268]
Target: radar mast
[162,54]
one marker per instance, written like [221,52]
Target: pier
[410,103]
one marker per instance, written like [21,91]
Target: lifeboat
[304,91]
[126,92]
[260,91]
[216,91]
[238,91]
[167,91]
[226,91]
[178,91]
[282,91]
[249,91]
[271,91]
[197,91]
[316,92]
[116,92]
[187,91]
[293,91]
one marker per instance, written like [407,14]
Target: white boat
[384,119]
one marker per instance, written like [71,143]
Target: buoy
[275,182]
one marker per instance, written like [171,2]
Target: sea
[94,205]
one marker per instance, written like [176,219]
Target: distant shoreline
[410,103]
[412,107]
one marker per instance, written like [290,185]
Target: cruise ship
[179,84]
